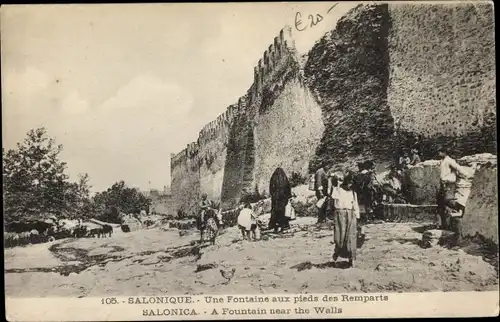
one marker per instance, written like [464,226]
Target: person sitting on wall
[415,158]
[392,187]
[404,161]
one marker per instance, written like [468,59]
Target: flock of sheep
[50,232]
[35,232]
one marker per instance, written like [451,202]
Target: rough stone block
[409,213]
[481,211]
[421,183]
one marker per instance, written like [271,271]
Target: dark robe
[280,191]
[321,181]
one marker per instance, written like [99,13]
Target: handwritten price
[313,20]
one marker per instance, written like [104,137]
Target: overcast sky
[122,87]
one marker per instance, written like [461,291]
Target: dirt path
[157,261]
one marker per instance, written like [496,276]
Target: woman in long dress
[346,215]
[281,192]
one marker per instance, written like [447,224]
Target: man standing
[450,170]
[321,189]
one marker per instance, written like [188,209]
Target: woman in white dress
[346,215]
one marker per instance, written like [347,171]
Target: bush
[297,179]
[252,197]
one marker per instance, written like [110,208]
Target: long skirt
[345,233]
[278,218]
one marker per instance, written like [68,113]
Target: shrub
[297,179]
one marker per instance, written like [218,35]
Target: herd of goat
[34,236]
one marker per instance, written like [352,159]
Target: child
[247,222]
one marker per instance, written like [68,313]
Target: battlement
[213,128]
[280,49]
[177,159]
[192,150]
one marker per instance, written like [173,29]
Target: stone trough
[409,213]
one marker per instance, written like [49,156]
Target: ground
[165,260]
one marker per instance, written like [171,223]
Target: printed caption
[241,306]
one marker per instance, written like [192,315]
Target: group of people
[407,159]
[338,197]
[280,190]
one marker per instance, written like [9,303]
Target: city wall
[442,76]
[386,76]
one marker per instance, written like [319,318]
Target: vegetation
[36,185]
[119,199]
[297,179]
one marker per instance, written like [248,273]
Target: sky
[121,87]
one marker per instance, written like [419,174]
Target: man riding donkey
[208,218]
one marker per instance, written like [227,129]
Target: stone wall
[239,162]
[287,133]
[185,180]
[481,213]
[399,75]
[227,151]
[386,76]
[347,71]
[442,76]
[213,160]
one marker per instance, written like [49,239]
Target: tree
[120,199]
[35,182]
[77,197]
[34,178]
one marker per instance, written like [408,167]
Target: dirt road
[160,260]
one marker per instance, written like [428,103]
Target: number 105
[109,300]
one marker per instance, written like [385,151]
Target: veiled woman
[281,192]
[346,215]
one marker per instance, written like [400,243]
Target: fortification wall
[287,133]
[387,76]
[442,75]
[248,159]
[212,153]
[234,184]
[185,179]
[347,71]
[287,123]
[405,75]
